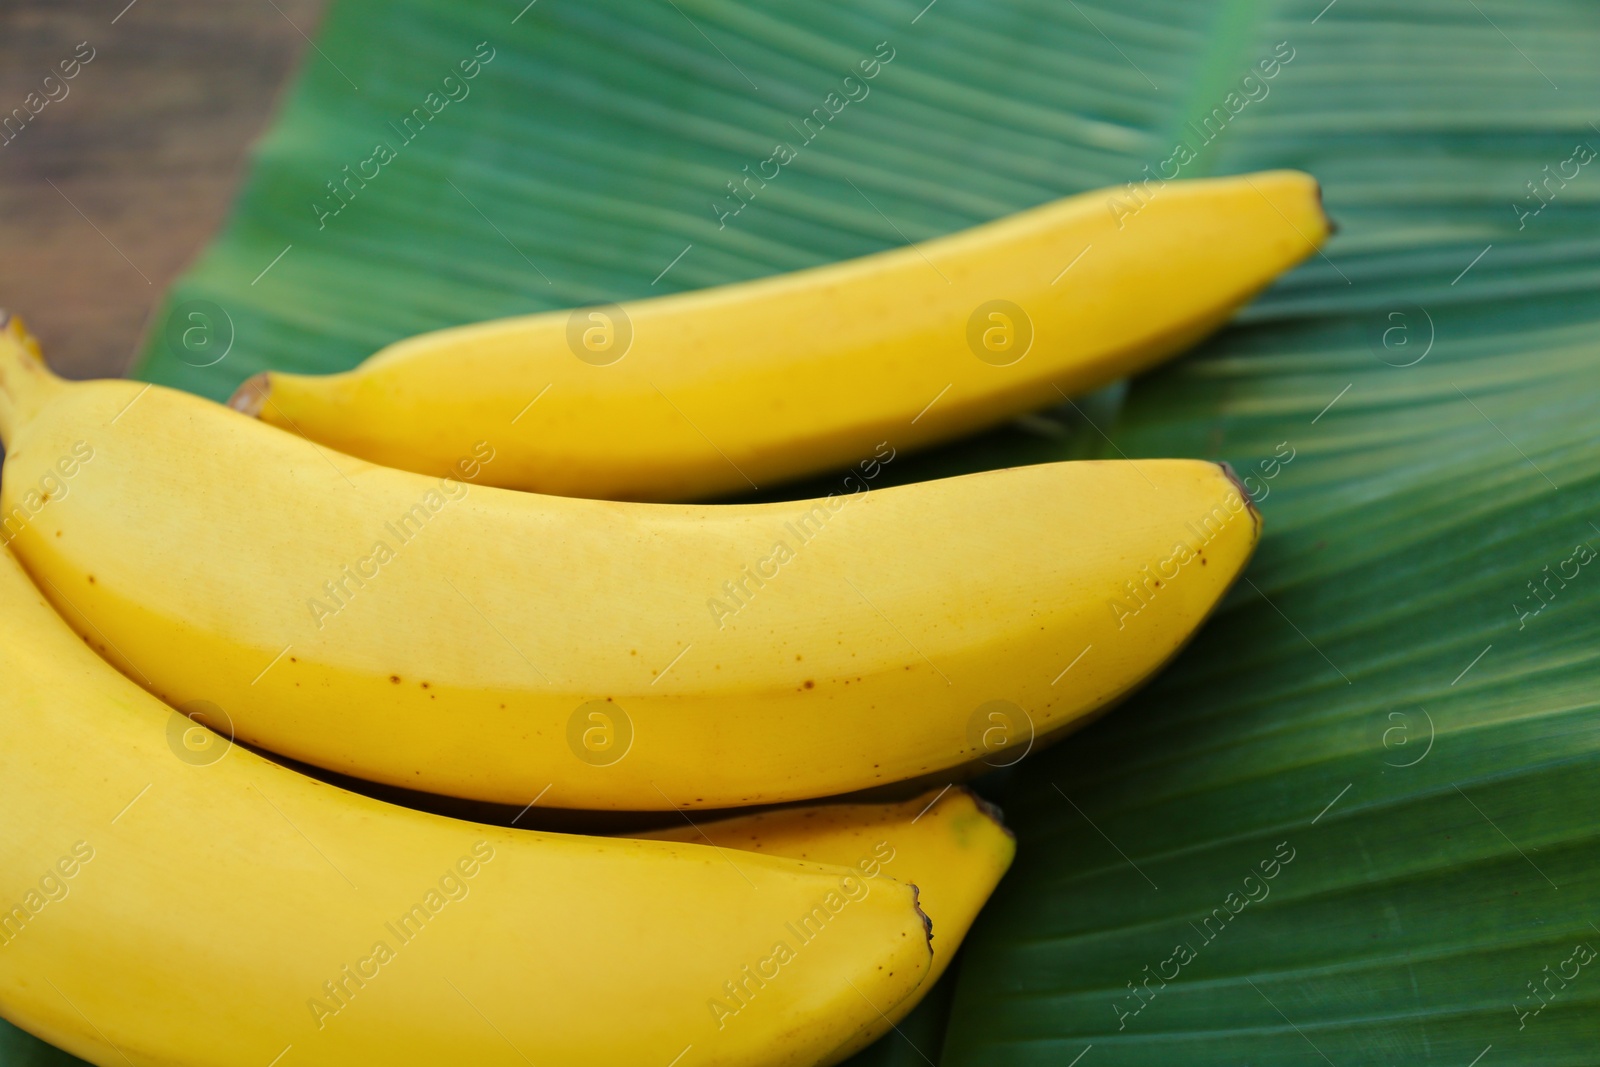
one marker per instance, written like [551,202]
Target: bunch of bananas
[498,602]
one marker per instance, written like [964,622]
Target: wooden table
[114,186]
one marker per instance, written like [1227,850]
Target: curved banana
[169,900]
[690,396]
[948,843]
[493,645]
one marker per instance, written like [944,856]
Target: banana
[690,396]
[167,899]
[948,843]
[496,645]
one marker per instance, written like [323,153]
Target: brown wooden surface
[148,143]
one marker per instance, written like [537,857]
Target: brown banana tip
[992,812]
[1244,493]
[5,318]
[927,923]
[1328,221]
[251,397]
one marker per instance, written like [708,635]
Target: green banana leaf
[1395,714]
[19,1049]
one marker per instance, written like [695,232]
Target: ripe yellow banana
[947,843]
[162,901]
[689,396]
[500,646]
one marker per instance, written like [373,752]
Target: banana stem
[252,396]
[26,384]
